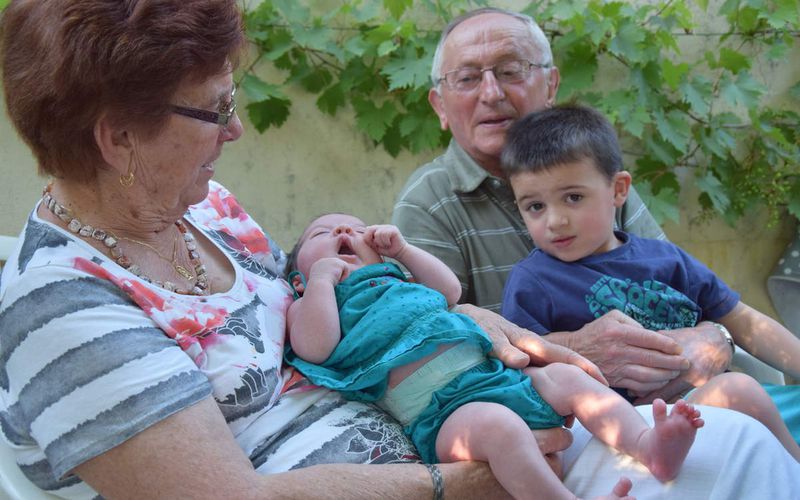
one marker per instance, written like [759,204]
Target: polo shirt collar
[465,173]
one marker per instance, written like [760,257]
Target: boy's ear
[298,285]
[622,184]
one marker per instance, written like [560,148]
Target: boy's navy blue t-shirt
[652,281]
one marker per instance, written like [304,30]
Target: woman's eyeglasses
[221,117]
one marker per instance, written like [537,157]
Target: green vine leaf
[374,120]
[673,127]
[786,12]
[397,7]
[697,92]
[794,200]
[663,206]
[711,186]
[332,99]
[628,43]
[268,107]
[672,73]
[672,107]
[408,69]
[259,90]
[577,68]
[732,60]
[269,112]
[744,90]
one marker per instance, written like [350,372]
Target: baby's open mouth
[345,249]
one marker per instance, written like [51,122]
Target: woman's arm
[424,267]
[764,338]
[313,319]
[192,454]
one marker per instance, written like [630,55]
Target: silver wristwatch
[726,334]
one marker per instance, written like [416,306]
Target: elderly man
[492,67]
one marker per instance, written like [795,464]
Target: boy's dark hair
[559,135]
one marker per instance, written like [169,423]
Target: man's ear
[554,78]
[622,184]
[115,144]
[297,284]
[435,98]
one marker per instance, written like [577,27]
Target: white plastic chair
[7,244]
[13,483]
[749,364]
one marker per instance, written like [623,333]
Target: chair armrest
[745,362]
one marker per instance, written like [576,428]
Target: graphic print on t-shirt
[655,305]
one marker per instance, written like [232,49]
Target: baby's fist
[385,239]
[331,269]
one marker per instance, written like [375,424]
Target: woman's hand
[518,348]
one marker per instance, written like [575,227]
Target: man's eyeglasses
[221,117]
[468,78]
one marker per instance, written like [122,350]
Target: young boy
[361,328]
[565,167]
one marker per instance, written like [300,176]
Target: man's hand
[518,348]
[707,350]
[629,355]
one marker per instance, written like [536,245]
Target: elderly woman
[142,317]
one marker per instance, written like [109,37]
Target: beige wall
[316,163]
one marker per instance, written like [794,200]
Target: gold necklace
[200,286]
[173,261]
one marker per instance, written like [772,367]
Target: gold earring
[127,179]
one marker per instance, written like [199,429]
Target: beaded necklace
[110,241]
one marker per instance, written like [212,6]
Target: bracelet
[438,481]
[727,335]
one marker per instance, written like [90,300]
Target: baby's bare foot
[666,445]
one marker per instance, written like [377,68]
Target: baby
[361,328]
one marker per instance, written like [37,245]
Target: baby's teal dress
[387,322]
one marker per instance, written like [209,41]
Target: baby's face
[335,235]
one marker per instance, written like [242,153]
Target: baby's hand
[331,269]
[385,239]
